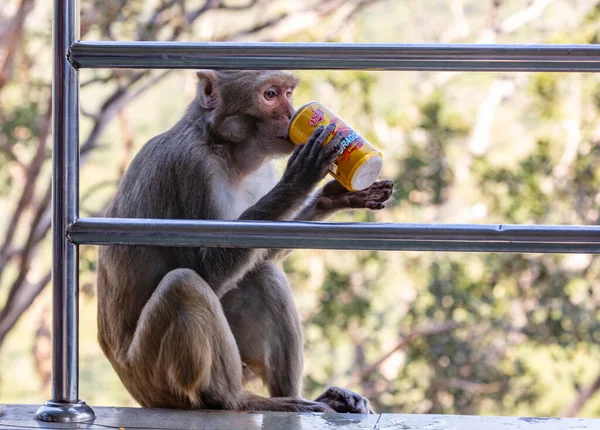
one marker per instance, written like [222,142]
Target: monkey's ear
[208,90]
[234,129]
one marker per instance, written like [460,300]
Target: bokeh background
[416,332]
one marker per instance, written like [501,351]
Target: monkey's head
[249,106]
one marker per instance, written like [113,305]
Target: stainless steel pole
[272,55]
[374,236]
[65,406]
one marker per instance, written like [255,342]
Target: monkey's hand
[310,162]
[343,400]
[335,197]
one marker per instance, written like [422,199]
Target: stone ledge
[22,416]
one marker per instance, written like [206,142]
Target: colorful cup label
[356,150]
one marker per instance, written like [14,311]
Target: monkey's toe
[345,401]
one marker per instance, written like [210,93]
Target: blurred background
[416,332]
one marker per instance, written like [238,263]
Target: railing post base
[65,412]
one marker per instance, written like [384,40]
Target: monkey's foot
[343,400]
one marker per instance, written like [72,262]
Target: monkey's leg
[182,338]
[267,328]
[265,323]
[194,359]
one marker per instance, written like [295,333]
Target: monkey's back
[163,181]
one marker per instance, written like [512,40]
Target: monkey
[189,327]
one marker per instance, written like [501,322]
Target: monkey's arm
[332,198]
[223,267]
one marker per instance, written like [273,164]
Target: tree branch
[508,26]
[424,331]
[9,315]
[461,29]
[572,125]
[113,104]
[586,394]
[289,22]
[97,80]
[525,16]
[28,249]
[10,42]
[31,175]
[346,17]
[471,387]
[481,134]
[246,6]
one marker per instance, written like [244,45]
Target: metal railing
[182,55]
[68,230]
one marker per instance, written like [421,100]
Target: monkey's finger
[324,163]
[294,155]
[359,202]
[311,143]
[336,143]
[374,206]
[330,153]
[379,187]
[312,139]
[383,184]
[317,146]
[378,195]
[387,193]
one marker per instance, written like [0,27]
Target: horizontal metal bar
[373,236]
[295,56]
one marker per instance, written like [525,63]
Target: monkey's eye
[288,94]
[270,94]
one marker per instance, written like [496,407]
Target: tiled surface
[22,416]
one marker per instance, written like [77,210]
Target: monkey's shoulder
[169,175]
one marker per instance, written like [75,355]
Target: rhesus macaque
[188,327]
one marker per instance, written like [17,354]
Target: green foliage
[533,203]
[340,302]
[545,90]
[17,130]
[426,173]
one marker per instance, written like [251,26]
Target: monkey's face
[274,103]
[249,106]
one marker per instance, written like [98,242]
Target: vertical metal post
[65,405]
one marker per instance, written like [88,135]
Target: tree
[25,114]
